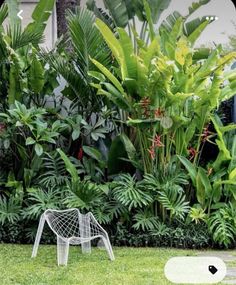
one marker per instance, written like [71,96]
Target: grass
[133,266]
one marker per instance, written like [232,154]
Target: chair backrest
[64,223]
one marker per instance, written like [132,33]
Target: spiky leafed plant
[73,63]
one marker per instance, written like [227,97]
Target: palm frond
[9,210]
[54,171]
[20,39]
[145,220]
[3,13]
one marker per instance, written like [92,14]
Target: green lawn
[133,266]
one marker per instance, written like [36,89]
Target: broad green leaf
[93,153]
[149,19]
[190,168]
[30,141]
[232,175]
[116,152]
[195,35]
[38,149]
[200,190]
[114,45]
[196,5]
[109,75]
[118,11]
[40,16]
[205,181]
[182,50]
[36,75]
[69,166]
[128,52]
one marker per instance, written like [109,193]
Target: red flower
[145,102]
[158,113]
[80,154]
[152,152]
[192,152]
[157,141]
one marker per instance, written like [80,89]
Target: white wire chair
[72,227]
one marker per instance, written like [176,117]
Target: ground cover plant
[129,136]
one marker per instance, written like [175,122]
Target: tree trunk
[62,6]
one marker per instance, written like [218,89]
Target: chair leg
[62,251]
[85,233]
[108,247]
[38,235]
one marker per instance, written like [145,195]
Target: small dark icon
[212,269]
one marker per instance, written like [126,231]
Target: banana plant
[168,95]
[124,13]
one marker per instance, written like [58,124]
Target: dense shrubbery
[128,138]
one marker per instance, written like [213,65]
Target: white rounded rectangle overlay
[195,270]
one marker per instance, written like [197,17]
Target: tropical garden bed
[135,136]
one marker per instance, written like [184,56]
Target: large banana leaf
[198,31]
[196,5]
[120,10]
[128,53]
[157,8]
[113,44]
[109,75]
[224,153]
[36,75]
[40,16]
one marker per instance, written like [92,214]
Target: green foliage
[144,220]
[10,210]
[174,202]
[54,171]
[40,200]
[138,102]
[222,225]
[128,192]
